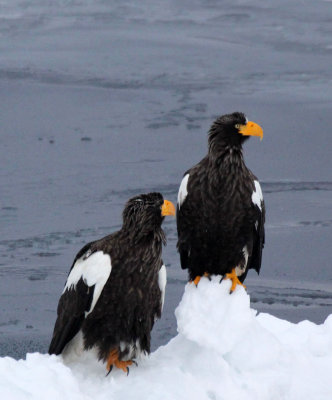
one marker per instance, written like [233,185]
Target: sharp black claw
[110,370]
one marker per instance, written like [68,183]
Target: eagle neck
[139,236]
[227,167]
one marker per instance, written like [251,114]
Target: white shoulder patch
[183,192]
[162,279]
[94,270]
[257,195]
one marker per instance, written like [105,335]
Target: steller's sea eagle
[220,209]
[116,286]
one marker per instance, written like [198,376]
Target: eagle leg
[235,280]
[113,359]
[198,278]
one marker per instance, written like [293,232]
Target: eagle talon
[109,370]
[207,275]
[235,280]
[113,359]
[198,278]
[124,365]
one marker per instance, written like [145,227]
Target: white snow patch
[257,195]
[183,192]
[94,270]
[223,351]
[162,280]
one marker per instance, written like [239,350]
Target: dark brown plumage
[220,211]
[115,288]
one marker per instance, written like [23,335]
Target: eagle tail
[63,336]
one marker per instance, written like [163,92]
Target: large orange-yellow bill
[167,208]
[251,129]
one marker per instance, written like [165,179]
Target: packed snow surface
[223,350]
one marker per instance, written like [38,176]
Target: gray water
[102,100]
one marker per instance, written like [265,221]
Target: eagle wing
[259,231]
[86,280]
[183,228]
[188,204]
[162,280]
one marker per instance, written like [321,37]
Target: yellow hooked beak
[251,129]
[167,208]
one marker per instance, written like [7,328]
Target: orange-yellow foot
[113,359]
[235,280]
[124,365]
[198,278]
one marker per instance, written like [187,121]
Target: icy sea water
[104,100]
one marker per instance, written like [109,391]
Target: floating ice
[223,350]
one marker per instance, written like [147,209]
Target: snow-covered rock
[223,350]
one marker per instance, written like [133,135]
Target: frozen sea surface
[101,100]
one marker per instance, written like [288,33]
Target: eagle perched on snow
[116,286]
[220,209]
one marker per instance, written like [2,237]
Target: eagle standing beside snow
[220,210]
[116,286]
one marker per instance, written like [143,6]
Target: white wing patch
[94,270]
[245,255]
[162,279]
[183,192]
[257,195]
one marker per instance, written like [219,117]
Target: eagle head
[144,214]
[232,130]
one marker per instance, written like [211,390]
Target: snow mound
[224,350]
